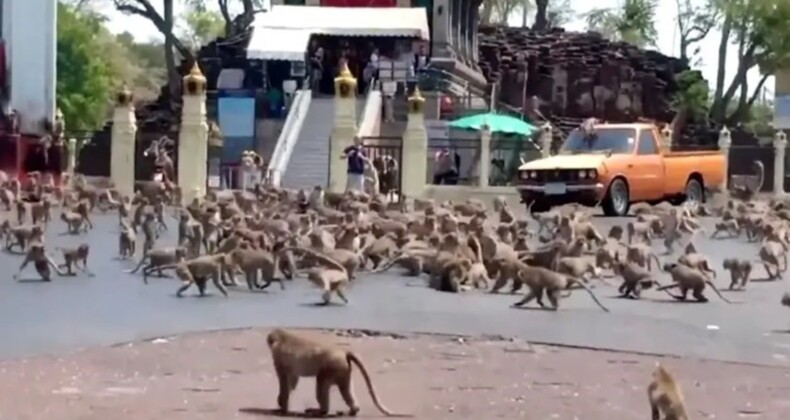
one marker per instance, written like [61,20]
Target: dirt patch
[229,374]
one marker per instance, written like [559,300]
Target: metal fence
[464,155]
[386,153]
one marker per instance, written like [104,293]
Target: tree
[759,31]
[695,22]
[202,26]
[634,22]
[84,77]
[233,24]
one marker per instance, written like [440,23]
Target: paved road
[71,313]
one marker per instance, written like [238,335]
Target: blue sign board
[236,117]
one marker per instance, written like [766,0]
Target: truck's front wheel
[617,200]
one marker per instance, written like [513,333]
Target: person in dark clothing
[355,156]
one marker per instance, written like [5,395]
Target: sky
[143,30]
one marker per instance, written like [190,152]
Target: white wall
[29,29]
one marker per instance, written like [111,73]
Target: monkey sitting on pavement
[37,254]
[665,397]
[295,357]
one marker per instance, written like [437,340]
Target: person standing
[355,156]
[316,69]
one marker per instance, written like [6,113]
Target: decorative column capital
[780,140]
[416,101]
[345,83]
[725,139]
[195,82]
[124,97]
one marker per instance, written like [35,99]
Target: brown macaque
[540,280]
[37,254]
[40,212]
[127,242]
[83,208]
[21,236]
[76,257]
[157,259]
[21,212]
[665,397]
[204,267]
[740,271]
[688,279]
[295,357]
[75,222]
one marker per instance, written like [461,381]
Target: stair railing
[289,136]
[371,114]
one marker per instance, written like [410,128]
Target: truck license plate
[555,188]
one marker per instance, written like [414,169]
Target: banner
[236,119]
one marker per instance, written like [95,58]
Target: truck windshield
[608,140]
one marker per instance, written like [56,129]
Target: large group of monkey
[271,234]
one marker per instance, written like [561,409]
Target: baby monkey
[740,270]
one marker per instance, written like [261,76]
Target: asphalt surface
[112,307]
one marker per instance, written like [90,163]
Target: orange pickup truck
[617,165]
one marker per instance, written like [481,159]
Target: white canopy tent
[283,32]
[278,44]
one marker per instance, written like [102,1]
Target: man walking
[356,159]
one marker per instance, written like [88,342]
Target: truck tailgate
[679,165]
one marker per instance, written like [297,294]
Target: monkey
[23,235]
[665,396]
[331,280]
[158,258]
[40,212]
[74,222]
[76,256]
[615,233]
[251,260]
[203,267]
[686,278]
[731,227]
[127,241]
[83,208]
[785,301]
[476,273]
[578,267]
[451,275]
[641,254]
[150,232]
[635,279]
[295,357]
[698,261]
[37,254]
[381,248]
[740,270]
[769,255]
[641,230]
[159,212]
[540,279]
[21,211]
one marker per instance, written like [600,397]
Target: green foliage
[202,26]
[693,96]
[85,76]
[634,22]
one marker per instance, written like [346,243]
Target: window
[647,143]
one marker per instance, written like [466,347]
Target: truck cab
[616,165]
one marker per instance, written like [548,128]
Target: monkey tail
[590,292]
[140,264]
[352,358]
[478,249]
[761,175]
[654,257]
[389,264]
[784,265]
[716,290]
[319,256]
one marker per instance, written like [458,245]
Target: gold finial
[124,96]
[195,81]
[345,82]
[416,101]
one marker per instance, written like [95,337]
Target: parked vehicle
[617,165]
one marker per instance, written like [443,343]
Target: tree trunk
[223,9]
[173,77]
[541,15]
[726,30]
[488,10]
[524,13]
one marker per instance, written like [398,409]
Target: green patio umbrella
[497,123]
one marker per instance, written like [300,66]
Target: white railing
[288,136]
[371,115]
